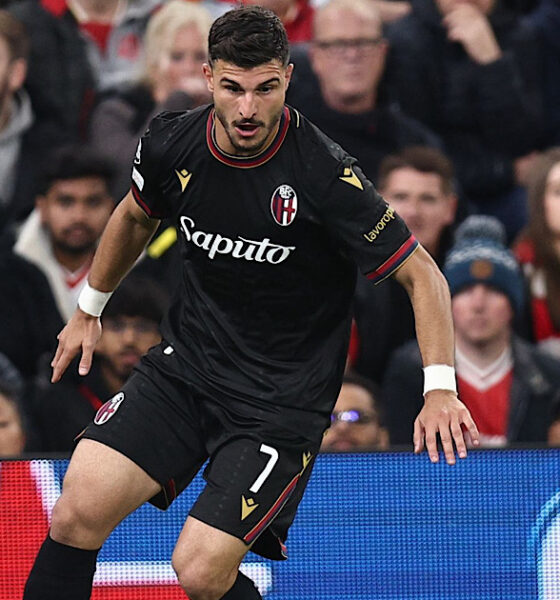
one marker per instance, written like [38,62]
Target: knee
[202,580]
[75,524]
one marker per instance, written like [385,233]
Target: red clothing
[490,407]
[300,29]
[541,321]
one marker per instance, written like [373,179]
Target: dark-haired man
[130,328]
[60,236]
[273,218]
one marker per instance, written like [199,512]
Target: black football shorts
[256,472]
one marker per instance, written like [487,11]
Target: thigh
[101,487]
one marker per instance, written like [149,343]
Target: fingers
[87,358]
[60,362]
[459,439]
[418,437]
[431,444]
[472,429]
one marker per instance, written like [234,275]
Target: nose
[247,106]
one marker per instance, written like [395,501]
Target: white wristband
[92,301]
[439,377]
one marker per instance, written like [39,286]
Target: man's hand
[470,27]
[445,414]
[81,332]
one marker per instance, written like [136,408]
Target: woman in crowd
[538,251]
[174,51]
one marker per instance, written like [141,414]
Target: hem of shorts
[91,436]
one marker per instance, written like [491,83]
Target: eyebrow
[267,82]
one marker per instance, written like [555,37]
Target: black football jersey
[270,245]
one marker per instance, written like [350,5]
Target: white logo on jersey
[214,243]
[137,158]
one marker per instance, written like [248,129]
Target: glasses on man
[351,417]
[340,47]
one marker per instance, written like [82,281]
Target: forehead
[247,77]
[554,174]
[353,397]
[335,23]
[409,177]
[80,186]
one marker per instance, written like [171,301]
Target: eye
[232,88]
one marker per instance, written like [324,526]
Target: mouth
[247,130]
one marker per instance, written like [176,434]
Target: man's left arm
[443,413]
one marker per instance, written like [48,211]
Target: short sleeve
[146,186]
[369,231]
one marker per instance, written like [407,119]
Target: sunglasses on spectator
[351,417]
[340,46]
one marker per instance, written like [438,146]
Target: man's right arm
[128,231]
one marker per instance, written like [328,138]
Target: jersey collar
[246,162]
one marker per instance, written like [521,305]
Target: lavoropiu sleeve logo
[108,409]
[283,204]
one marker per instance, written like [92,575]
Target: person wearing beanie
[509,386]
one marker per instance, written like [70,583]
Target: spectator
[419,184]
[130,327]
[356,421]
[12,417]
[471,72]
[31,319]
[508,385]
[61,234]
[538,251]
[175,49]
[348,59]
[16,118]
[296,15]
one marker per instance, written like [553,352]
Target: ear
[18,72]
[289,72]
[209,76]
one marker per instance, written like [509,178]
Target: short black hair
[374,391]
[74,161]
[137,296]
[248,37]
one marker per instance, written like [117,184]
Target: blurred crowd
[452,108]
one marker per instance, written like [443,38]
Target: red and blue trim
[274,510]
[394,261]
[247,162]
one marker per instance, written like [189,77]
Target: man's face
[124,341]
[75,212]
[12,436]
[420,200]
[347,55]
[447,6]
[248,104]
[355,424]
[481,315]
[552,200]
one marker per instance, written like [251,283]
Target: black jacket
[535,390]
[486,114]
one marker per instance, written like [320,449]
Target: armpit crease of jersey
[215,243]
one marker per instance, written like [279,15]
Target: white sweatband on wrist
[439,377]
[92,301]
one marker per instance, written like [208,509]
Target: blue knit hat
[480,255]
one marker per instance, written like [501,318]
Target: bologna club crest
[283,204]
[108,409]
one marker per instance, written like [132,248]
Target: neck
[72,262]
[485,353]
[113,382]
[350,105]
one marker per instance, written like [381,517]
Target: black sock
[243,589]
[61,572]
